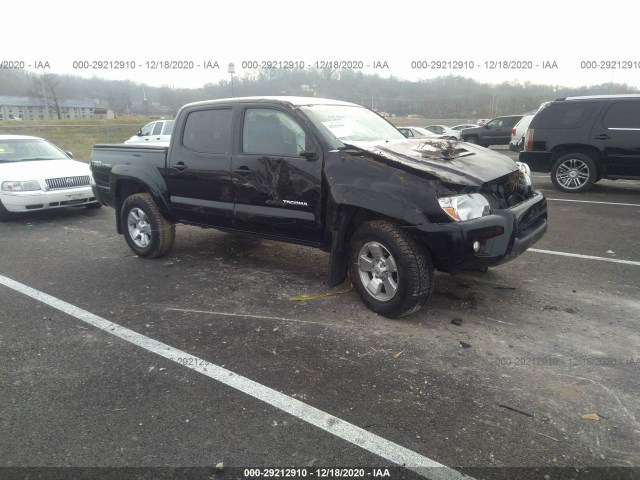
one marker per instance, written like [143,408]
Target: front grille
[67,182]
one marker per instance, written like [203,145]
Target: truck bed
[104,157]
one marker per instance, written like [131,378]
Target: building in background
[27,108]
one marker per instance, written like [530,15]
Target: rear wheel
[574,172]
[471,139]
[146,231]
[391,270]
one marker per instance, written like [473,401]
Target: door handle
[603,136]
[180,166]
[244,170]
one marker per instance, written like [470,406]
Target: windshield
[341,124]
[29,149]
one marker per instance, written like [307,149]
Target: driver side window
[270,132]
[147,129]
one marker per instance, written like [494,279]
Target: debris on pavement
[465,344]
[515,409]
[457,322]
[590,416]
[397,355]
[322,295]
[547,436]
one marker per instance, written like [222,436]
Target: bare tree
[46,87]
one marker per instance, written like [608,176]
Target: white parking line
[593,201]
[588,257]
[362,438]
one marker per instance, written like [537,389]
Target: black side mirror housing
[310,155]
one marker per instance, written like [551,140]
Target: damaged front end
[487,211]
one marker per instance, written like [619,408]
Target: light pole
[231,69]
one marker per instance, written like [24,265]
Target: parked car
[580,140]
[330,175]
[463,126]
[37,175]
[419,132]
[516,144]
[497,131]
[153,132]
[444,130]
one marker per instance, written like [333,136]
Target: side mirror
[139,133]
[69,154]
[310,155]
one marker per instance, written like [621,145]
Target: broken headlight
[526,173]
[464,207]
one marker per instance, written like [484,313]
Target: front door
[277,191]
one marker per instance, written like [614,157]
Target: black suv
[583,139]
[495,132]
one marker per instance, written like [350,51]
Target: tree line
[442,97]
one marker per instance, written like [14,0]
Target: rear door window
[565,115]
[208,131]
[622,116]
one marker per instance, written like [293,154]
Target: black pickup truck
[331,175]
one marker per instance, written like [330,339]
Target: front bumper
[502,236]
[42,200]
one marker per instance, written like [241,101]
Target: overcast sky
[490,41]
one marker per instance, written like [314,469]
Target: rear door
[277,191]
[167,129]
[198,170]
[617,135]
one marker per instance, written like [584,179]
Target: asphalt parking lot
[203,358]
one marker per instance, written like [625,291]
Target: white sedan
[452,132]
[37,175]
[419,132]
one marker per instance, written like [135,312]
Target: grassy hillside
[77,136]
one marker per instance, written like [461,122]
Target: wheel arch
[127,180]
[344,218]
[589,150]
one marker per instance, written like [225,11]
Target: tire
[473,140]
[391,270]
[453,139]
[146,231]
[93,206]
[574,172]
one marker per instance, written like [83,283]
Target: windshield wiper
[39,158]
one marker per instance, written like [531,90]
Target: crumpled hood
[42,169]
[468,164]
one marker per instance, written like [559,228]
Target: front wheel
[146,231]
[574,172]
[391,270]
[471,140]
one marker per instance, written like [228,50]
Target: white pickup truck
[154,132]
